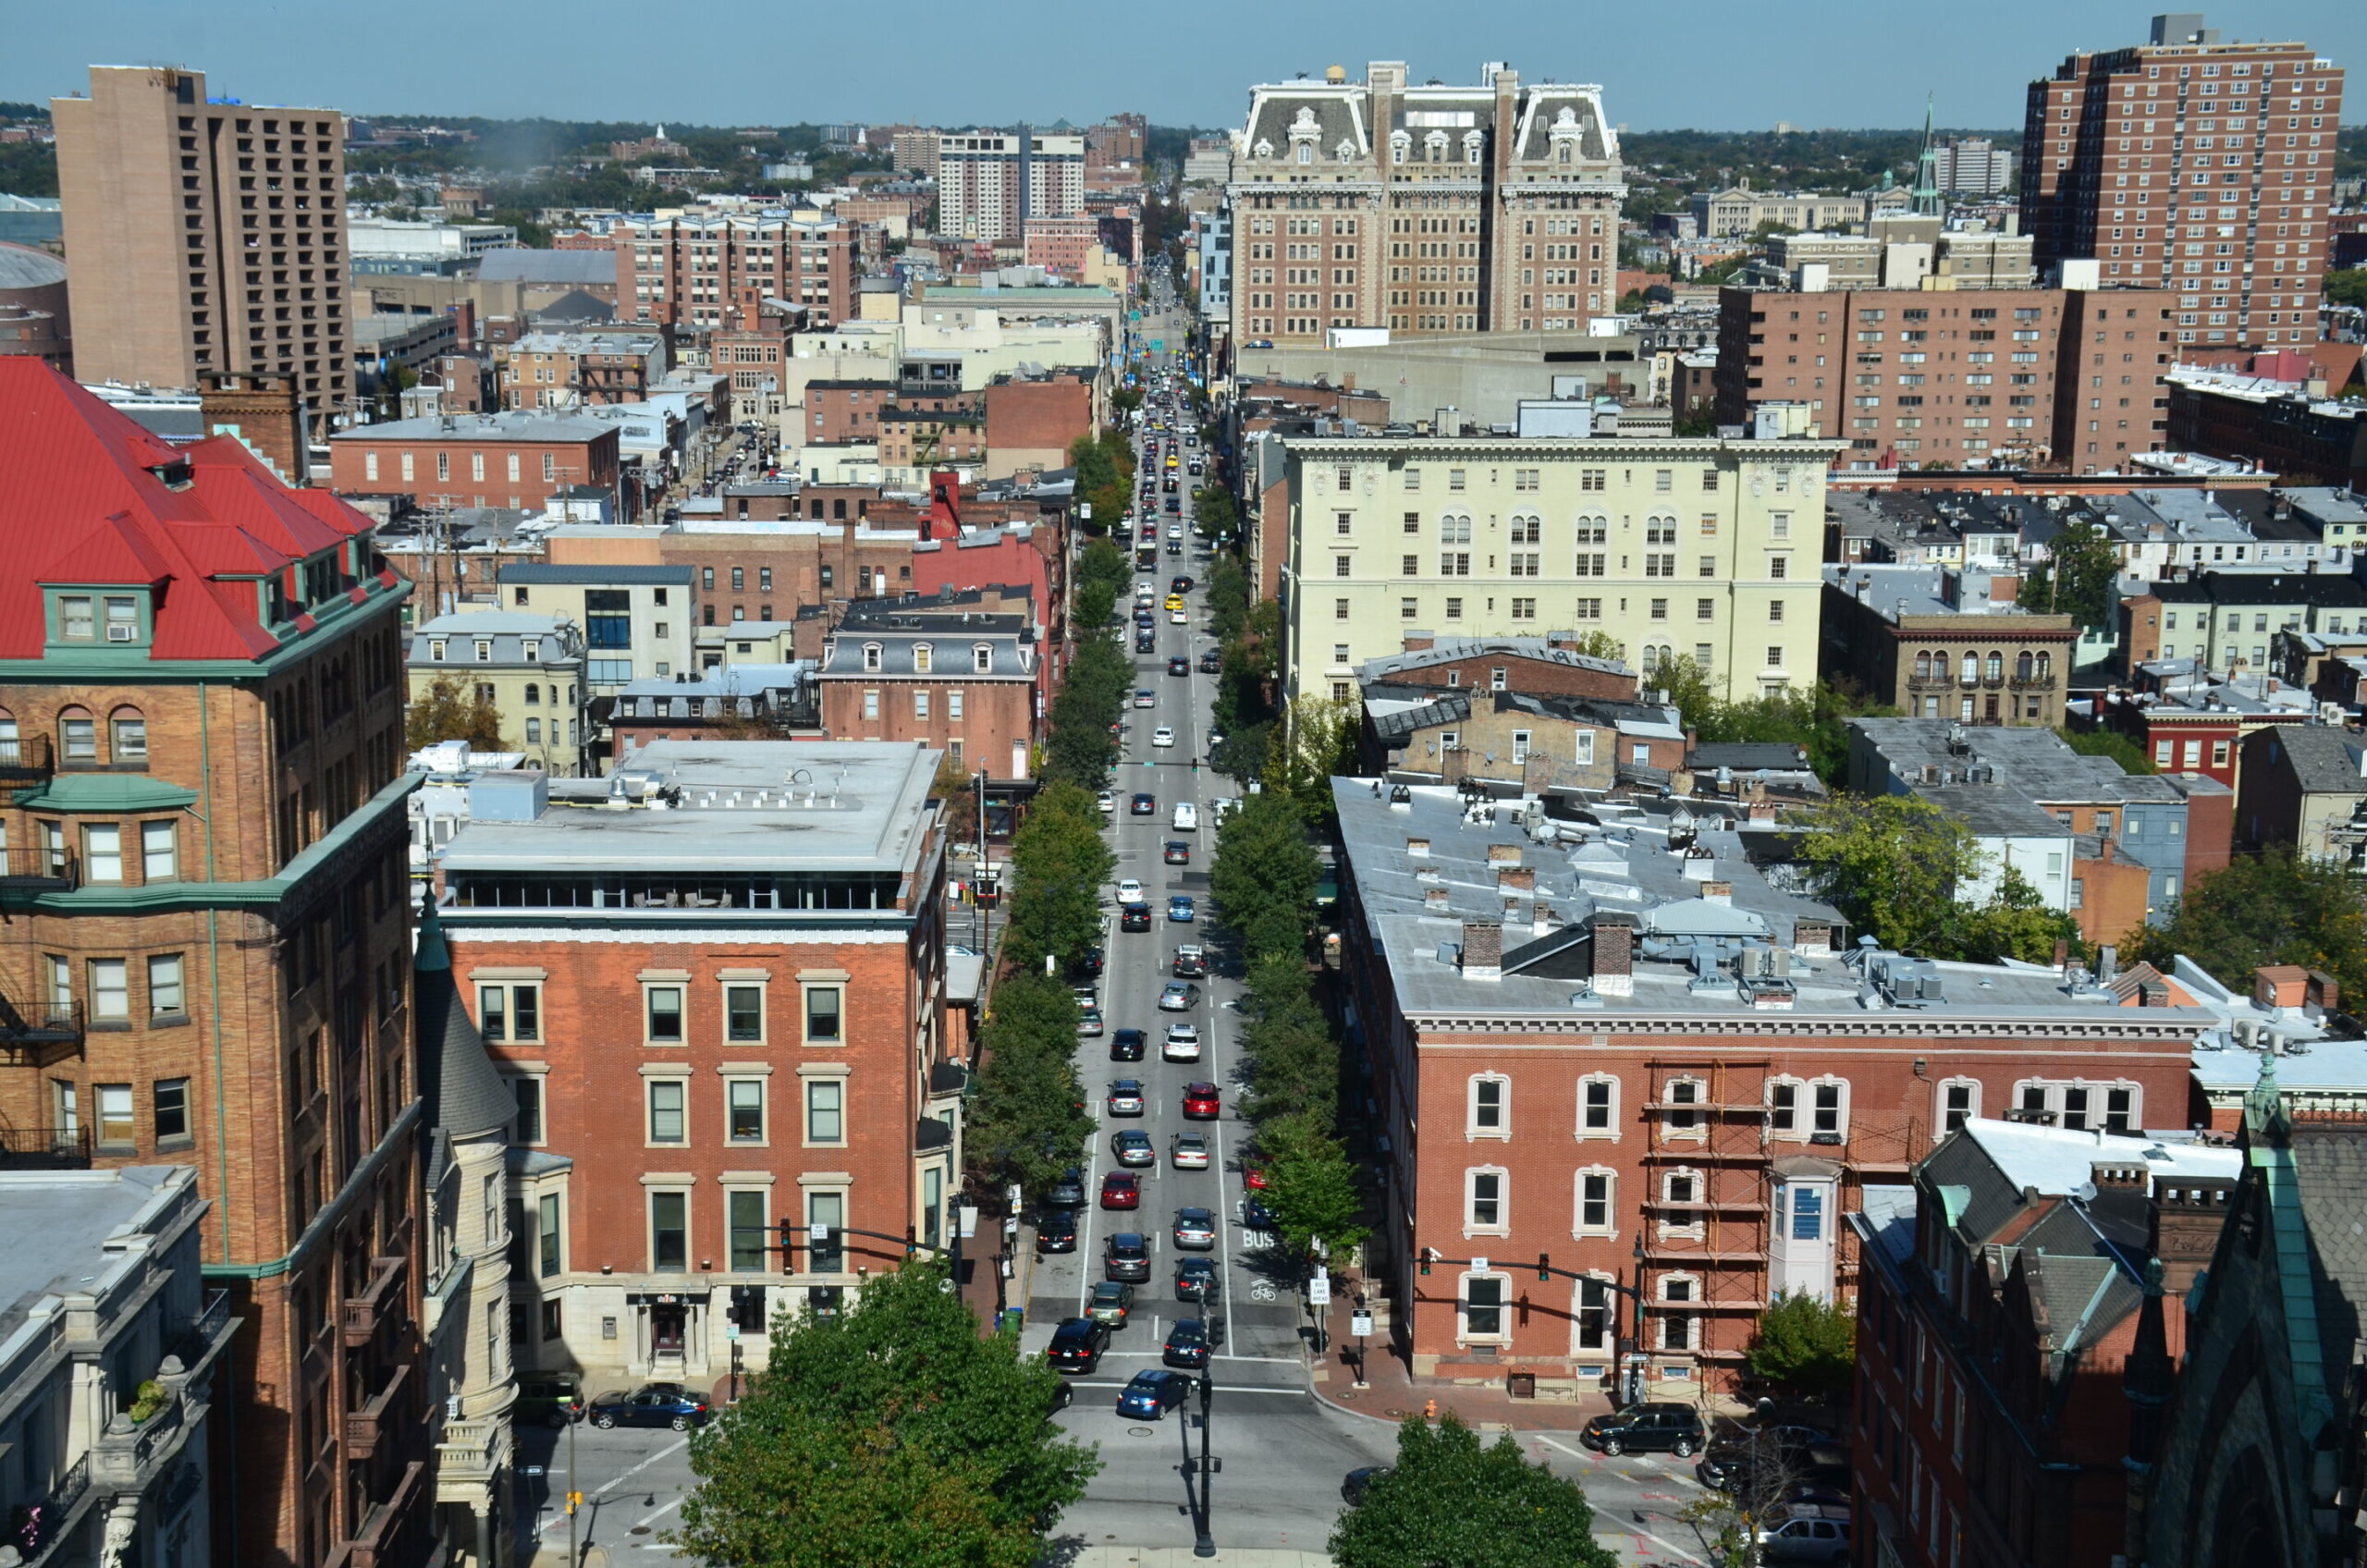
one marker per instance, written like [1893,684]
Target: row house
[575,370]
[948,673]
[518,459]
[1606,1048]
[1954,650]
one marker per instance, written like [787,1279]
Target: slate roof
[466,1097]
[2325,760]
[574,268]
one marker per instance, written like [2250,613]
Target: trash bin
[1010,1319]
[1521,1385]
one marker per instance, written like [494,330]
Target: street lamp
[1205,1544]
[1635,1346]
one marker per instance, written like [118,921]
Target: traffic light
[574,1502]
[787,1247]
[1545,1265]
[1425,1260]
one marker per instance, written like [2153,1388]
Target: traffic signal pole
[1631,1363]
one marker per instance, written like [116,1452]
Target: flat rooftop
[720,806]
[57,1223]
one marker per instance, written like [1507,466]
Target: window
[743,1100]
[75,619]
[822,1020]
[744,1211]
[528,1092]
[127,740]
[510,1011]
[110,991]
[825,1239]
[667,1120]
[743,1012]
[547,1235]
[171,1101]
[165,997]
[1483,1201]
[1682,1094]
[664,1008]
[80,732]
[826,1111]
[1782,1105]
[1828,1110]
[1599,1106]
[115,1113]
[670,1232]
[1959,1102]
[1483,1306]
[101,852]
[1489,1117]
[1807,1213]
[1594,1316]
[1597,1186]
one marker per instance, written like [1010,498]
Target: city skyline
[1770,70]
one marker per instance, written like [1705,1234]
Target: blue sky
[1721,65]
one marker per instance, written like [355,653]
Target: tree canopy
[445,712]
[2272,908]
[1451,1502]
[2078,577]
[1061,861]
[1805,1345]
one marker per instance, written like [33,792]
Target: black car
[1177,852]
[1126,1255]
[1353,1486]
[1134,917]
[652,1405]
[1126,1044]
[1646,1428]
[1055,1230]
[1068,1191]
[555,1398]
[1087,966]
[1178,664]
[1181,585]
[1146,642]
[1791,1454]
[1187,1345]
[1143,620]
[1212,662]
[1077,1345]
[1196,1278]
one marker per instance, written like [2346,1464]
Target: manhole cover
[1394,1415]
[1346,1393]
[638,1530]
[1138,1431]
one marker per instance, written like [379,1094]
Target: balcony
[2032,682]
[37,867]
[26,759]
[40,1033]
[382,1300]
[468,1452]
[384,1530]
[376,1418]
[44,1148]
[48,1520]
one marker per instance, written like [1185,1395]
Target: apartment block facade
[575,370]
[2191,165]
[704,273]
[719,1001]
[513,459]
[1423,209]
[992,184]
[201,736]
[208,236]
[1699,549]
[1907,376]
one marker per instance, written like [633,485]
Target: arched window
[128,737]
[1472,140]
[1996,669]
[533,694]
[982,658]
[1972,668]
[11,744]
[2022,667]
[922,655]
[871,655]
[2045,665]
[1307,152]
[77,737]
[1562,153]
[1922,665]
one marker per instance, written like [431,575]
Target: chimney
[2280,985]
[1613,935]
[1483,949]
[2107,956]
[1813,938]
[1522,878]
[1503,854]
[1418,849]
[1417,643]
[266,415]
[2185,1223]
[1718,893]
[1434,900]
[2321,992]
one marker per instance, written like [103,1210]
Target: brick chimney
[1483,949]
[1718,893]
[1521,877]
[1434,900]
[2187,1218]
[1418,849]
[266,412]
[1417,643]
[1503,854]
[2322,992]
[2280,985]
[1612,933]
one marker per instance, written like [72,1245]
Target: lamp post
[1205,1544]
[1636,1351]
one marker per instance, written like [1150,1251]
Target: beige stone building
[208,238]
[1422,209]
[1700,549]
[529,666]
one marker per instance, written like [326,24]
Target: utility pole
[977,894]
[574,1492]
[1205,1544]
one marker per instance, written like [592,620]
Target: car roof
[1125,1178]
[1199,1088]
[1197,1266]
[1073,1326]
[1121,1237]
[1130,1033]
[1194,1214]
[1107,1287]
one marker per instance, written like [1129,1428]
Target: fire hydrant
[1430,1410]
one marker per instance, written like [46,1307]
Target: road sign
[1360,1322]
[1478,1266]
[731,1330]
[1319,1290]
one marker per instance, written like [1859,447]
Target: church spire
[1927,172]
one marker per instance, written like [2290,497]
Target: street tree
[1805,1345]
[1310,1185]
[1891,864]
[1265,868]
[1451,1502]
[1318,741]
[1061,861]
[1027,1123]
[2275,907]
[890,1433]
[2078,576]
[955,786]
[447,712]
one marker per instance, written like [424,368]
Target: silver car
[1195,1229]
[1179,996]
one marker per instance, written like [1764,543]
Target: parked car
[553,1398]
[1126,1044]
[1353,1486]
[1151,1394]
[1087,966]
[1187,1343]
[1253,1177]
[1107,803]
[1191,960]
[1183,1043]
[1196,1278]
[652,1405]
[1126,1097]
[1055,1230]
[1131,1148]
[1088,1021]
[1068,1192]
[1652,1427]
[1134,917]
[1121,1188]
[1806,1533]
[1144,805]
[1195,1229]
[1201,1102]
[1211,662]
[1112,1303]
[1077,1344]
[1188,1151]
[1177,997]
[1126,1255]
[1255,1215]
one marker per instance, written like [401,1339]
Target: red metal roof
[83,503]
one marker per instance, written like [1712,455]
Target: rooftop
[547,266]
[522,424]
[58,1224]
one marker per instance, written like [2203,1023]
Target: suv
[1077,1345]
[554,1397]
[1068,1192]
[1643,1428]
[1126,1255]
[1191,961]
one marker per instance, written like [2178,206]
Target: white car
[1144,699]
[1175,531]
[1130,891]
[1107,803]
[1163,736]
[1183,1043]
[1177,618]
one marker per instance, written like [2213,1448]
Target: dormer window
[871,655]
[75,619]
[532,649]
[982,659]
[435,652]
[484,650]
[922,654]
[95,618]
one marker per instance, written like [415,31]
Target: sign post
[1360,1325]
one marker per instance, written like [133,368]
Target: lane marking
[1659,1541]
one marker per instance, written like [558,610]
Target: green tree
[954,787]
[1061,861]
[1600,645]
[1263,879]
[1891,864]
[893,1433]
[1318,741]
[1697,423]
[2347,287]
[2015,922]
[444,711]
[1228,599]
[2078,578]
[1805,1345]
[2272,908]
[1214,514]
[2108,743]
[1310,1185]
[1293,1056]
[1451,1504]
[1027,1122]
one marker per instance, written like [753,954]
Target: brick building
[2278,425]
[720,1010]
[753,358]
[1032,420]
[1611,1045]
[1952,652]
[572,369]
[2191,165]
[503,460]
[914,440]
[1955,376]
[943,672]
[699,273]
[202,733]
[844,410]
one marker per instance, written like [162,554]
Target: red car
[1200,1102]
[1254,1177]
[1121,1188]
